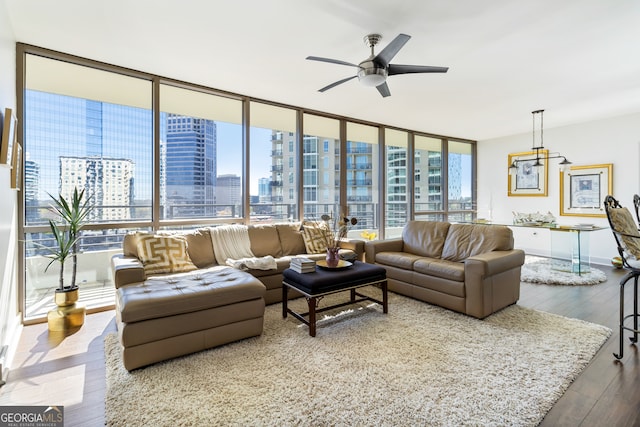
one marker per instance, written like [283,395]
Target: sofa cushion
[291,240]
[425,238]
[315,238]
[199,248]
[186,293]
[466,240]
[164,254]
[264,240]
[130,242]
[440,268]
[397,259]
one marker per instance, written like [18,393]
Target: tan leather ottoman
[165,317]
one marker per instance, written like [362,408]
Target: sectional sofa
[173,297]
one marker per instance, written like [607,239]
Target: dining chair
[625,231]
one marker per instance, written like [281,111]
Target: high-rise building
[108,182]
[229,195]
[31,181]
[454,176]
[264,190]
[190,167]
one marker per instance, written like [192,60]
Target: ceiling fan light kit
[374,70]
[370,75]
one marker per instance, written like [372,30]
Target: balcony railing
[359,150]
[366,182]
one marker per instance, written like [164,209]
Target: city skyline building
[229,195]
[107,182]
[190,167]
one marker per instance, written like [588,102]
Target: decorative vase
[69,314]
[332,257]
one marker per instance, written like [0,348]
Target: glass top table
[570,241]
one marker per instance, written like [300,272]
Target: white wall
[9,317]
[614,140]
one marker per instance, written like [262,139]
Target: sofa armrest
[492,281]
[372,247]
[494,262]
[355,245]
[126,270]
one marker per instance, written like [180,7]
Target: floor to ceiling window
[85,135]
[397,200]
[273,163]
[362,174]
[200,155]
[428,191]
[320,166]
[461,206]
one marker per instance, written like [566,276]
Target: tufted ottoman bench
[169,316]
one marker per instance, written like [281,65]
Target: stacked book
[303,265]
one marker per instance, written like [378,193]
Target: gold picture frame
[8,139]
[528,180]
[16,170]
[583,189]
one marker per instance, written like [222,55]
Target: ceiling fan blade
[386,55]
[334,84]
[409,69]
[384,90]
[332,61]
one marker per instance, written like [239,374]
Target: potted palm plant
[72,215]
[71,218]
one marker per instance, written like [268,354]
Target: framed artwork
[583,189]
[8,136]
[16,170]
[528,179]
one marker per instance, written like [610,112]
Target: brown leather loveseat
[469,268]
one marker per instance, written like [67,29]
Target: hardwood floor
[70,371]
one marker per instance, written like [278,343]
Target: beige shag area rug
[557,272]
[418,365]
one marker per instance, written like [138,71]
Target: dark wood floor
[70,371]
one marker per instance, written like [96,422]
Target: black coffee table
[329,281]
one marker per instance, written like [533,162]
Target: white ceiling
[577,59]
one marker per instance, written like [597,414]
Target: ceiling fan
[374,70]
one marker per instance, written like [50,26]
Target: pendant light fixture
[538,149]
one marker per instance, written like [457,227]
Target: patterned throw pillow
[315,238]
[164,254]
[623,223]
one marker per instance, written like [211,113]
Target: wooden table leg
[285,297]
[312,316]
[385,298]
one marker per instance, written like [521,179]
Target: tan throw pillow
[130,242]
[291,238]
[623,223]
[164,254]
[315,238]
